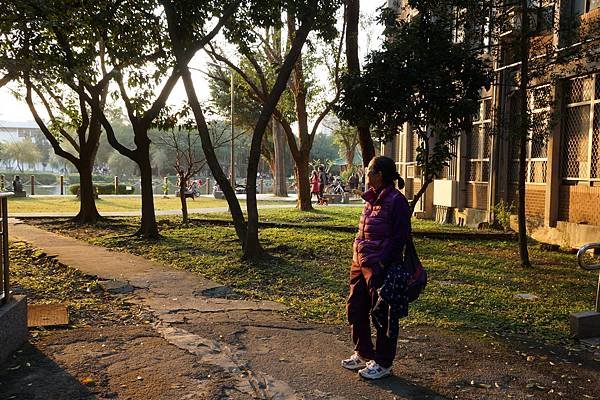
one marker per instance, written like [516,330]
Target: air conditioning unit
[445,193]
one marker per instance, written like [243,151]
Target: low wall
[13,326]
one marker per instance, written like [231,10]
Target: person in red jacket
[383,230]
[314,186]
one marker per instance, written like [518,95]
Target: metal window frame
[529,160]
[480,125]
[591,103]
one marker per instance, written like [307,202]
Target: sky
[12,109]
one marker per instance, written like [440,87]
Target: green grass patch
[46,281]
[473,283]
[70,204]
[328,216]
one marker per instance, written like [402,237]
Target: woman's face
[373,179]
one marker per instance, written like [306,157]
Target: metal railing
[590,267]
[4,294]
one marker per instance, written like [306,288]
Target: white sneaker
[374,371]
[354,362]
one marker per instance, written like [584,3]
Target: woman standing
[314,185]
[383,230]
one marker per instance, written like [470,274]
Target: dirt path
[204,344]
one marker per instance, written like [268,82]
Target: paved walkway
[260,353]
[195,314]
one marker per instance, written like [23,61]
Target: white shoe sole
[373,378]
[354,368]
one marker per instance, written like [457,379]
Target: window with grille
[479,144]
[581,130]
[412,170]
[537,142]
[579,7]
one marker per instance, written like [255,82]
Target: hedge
[105,189]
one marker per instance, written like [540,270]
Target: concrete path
[266,355]
[258,352]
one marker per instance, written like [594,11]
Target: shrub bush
[105,189]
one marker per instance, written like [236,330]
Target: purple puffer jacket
[383,229]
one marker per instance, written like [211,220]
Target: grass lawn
[70,204]
[473,283]
[329,216]
[44,281]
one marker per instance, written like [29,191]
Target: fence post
[262,186]
[62,185]
[207,185]
[2,182]
[165,186]
[116,185]
[32,185]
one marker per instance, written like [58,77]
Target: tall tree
[310,15]
[247,110]
[46,40]
[352,9]
[421,76]
[140,56]
[296,107]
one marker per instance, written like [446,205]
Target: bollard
[116,185]
[62,185]
[207,185]
[32,181]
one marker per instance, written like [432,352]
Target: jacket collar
[373,196]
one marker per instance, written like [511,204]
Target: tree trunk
[302,172]
[253,248]
[523,133]
[279,178]
[365,140]
[182,189]
[211,157]
[148,228]
[417,197]
[350,158]
[88,214]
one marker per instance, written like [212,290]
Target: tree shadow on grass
[30,375]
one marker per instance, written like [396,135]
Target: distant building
[17,131]
[563,167]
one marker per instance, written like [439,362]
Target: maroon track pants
[364,283]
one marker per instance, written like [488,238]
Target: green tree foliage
[24,153]
[421,76]
[41,44]
[324,148]
[346,137]
[307,16]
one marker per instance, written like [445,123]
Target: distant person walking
[314,185]
[383,230]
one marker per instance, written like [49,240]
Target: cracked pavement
[246,349]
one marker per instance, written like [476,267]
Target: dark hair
[321,168]
[389,174]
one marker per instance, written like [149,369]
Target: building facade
[563,152]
